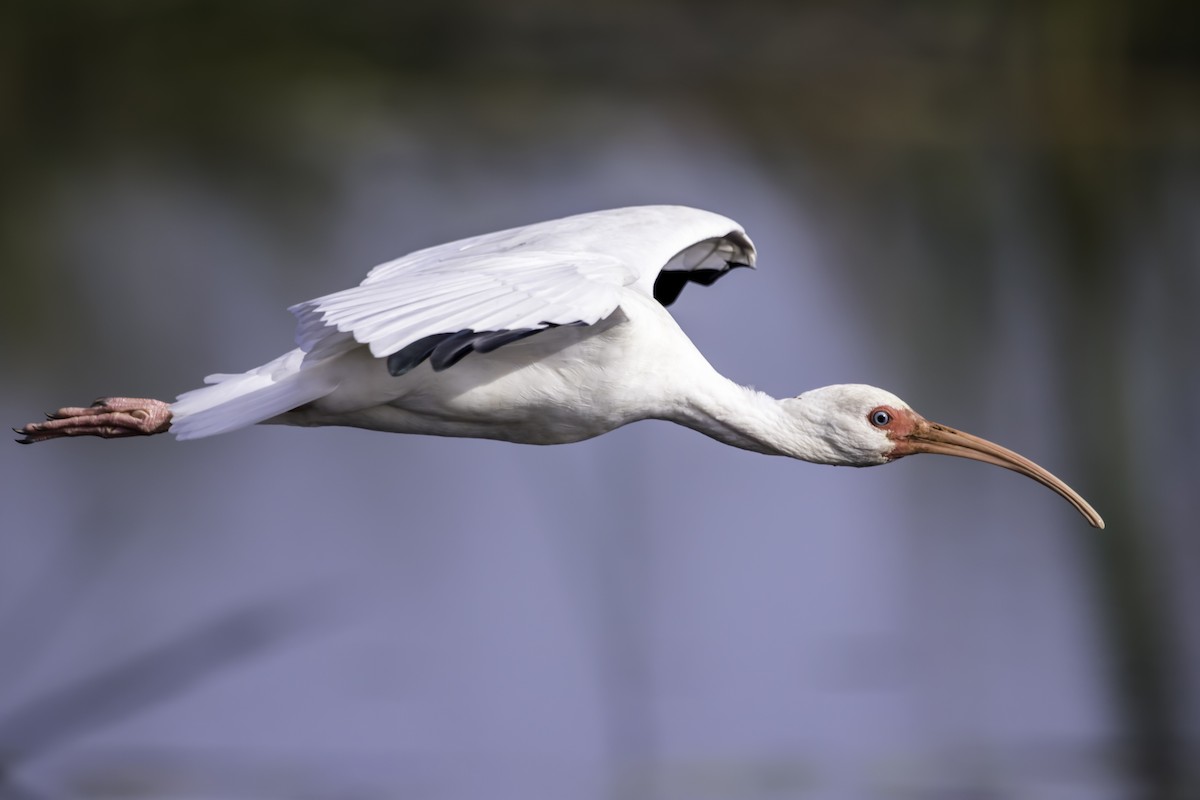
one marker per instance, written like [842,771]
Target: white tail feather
[237,401]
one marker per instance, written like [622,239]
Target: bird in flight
[544,334]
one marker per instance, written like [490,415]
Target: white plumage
[543,334]
[572,272]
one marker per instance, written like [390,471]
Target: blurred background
[992,209]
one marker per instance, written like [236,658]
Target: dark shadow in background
[36,727]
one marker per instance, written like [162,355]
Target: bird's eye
[880,418]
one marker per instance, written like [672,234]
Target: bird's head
[861,426]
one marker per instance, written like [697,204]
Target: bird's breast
[563,385]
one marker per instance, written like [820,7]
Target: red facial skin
[899,428]
[911,433]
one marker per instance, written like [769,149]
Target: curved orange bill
[930,437]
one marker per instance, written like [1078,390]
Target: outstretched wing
[447,308]
[481,293]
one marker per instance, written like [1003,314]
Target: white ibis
[545,334]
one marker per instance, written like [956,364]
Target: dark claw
[129,417]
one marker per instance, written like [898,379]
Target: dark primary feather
[702,263]
[411,355]
[491,340]
[669,284]
[450,351]
[444,350]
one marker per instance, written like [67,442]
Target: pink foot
[109,417]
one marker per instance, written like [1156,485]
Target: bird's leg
[109,417]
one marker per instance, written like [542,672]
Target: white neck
[752,420]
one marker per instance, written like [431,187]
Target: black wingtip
[444,350]
[407,358]
[453,349]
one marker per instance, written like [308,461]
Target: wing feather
[562,272]
[481,292]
